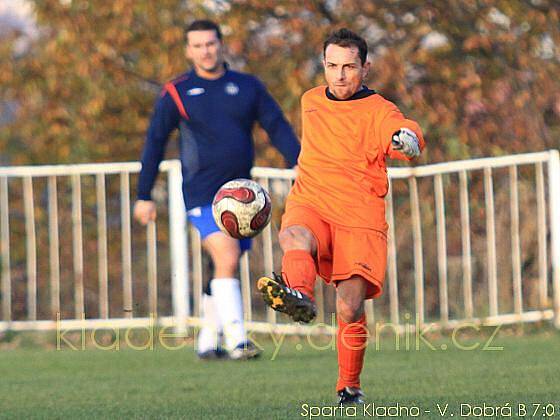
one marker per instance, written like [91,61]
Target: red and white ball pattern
[241,208]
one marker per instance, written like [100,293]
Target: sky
[16,14]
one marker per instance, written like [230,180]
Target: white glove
[405,141]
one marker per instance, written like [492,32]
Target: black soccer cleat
[245,351]
[213,354]
[350,396]
[282,298]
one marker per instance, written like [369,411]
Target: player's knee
[286,239]
[227,262]
[350,310]
[296,238]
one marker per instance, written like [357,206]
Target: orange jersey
[341,168]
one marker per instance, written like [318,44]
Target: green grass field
[50,383]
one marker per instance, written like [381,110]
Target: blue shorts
[203,221]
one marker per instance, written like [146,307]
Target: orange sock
[299,271]
[351,342]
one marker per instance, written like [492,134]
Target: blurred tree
[86,85]
[482,76]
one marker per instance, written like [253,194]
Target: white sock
[229,308]
[208,337]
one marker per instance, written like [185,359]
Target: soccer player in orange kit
[334,223]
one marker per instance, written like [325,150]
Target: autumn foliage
[482,77]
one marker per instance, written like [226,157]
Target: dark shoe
[213,354]
[245,351]
[350,396]
[282,298]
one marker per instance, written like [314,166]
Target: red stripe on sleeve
[172,90]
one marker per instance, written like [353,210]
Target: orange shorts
[343,252]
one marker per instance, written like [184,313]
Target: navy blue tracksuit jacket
[215,119]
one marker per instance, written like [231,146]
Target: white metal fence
[468,241]
[24,199]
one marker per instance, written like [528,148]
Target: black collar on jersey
[364,92]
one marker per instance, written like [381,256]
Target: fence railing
[469,241]
[26,208]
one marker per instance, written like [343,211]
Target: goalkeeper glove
[405,141]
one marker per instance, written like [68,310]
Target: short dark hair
[202,25]
[346,38]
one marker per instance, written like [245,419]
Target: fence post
[554,198]
[178,244]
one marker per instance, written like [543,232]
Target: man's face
[204,49]
[344,71]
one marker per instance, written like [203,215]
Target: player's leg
[352,337]
[359,262]
[298,265]
[225,288]
[303,237]
[208,340]
[207,345]
[224,293]
[292,291]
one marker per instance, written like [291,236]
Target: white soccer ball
[241,208]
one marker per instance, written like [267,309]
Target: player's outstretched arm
[401,138]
